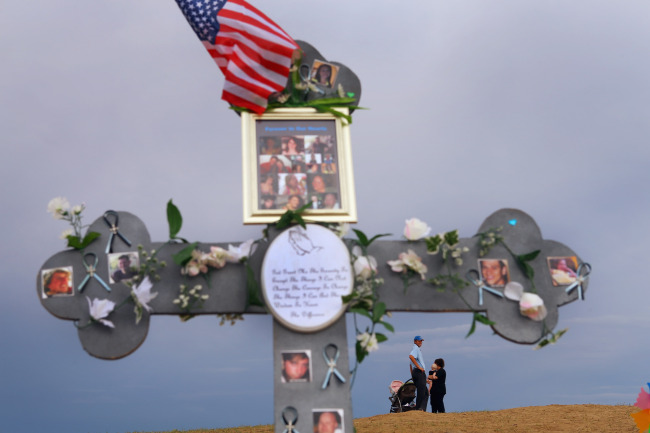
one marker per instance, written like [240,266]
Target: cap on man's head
[418,338]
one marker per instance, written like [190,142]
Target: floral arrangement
[299,88]
[193,263]
[363,301]
[60,209]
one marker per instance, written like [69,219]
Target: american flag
[252,51]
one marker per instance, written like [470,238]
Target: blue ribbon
[473,276]
[114,230]
[91,269]
[331,363]
[581,278]
[289,424]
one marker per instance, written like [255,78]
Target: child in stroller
[402,395]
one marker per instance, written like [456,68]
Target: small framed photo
[494,272]
[563,270]
[57,282]
[293,157]
[123,267]
[328,421]
[323,74]
[296,366]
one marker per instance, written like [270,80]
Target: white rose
[416,229]
[365,267]
[58,207]
[532,306]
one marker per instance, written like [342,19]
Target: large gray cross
[228,294]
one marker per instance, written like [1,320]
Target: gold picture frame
[293,156]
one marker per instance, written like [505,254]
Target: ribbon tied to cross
[331,364]
[290,423]
[583,273]
[114,229]
[473,276]
[91,269]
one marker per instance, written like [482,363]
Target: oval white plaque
[304,274]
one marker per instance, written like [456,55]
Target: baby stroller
[402,395]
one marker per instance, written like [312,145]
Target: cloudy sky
[473,106]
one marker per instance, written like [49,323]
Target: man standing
[418,375]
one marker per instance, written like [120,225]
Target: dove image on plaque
[305,273]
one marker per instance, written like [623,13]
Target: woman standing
[437,376]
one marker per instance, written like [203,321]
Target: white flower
[66,233]
[409,261]
[365,267]
[532,306]
[78,208]
[99,309]
[243,251]
[416,229]
[143,293]
[58,207]
[368,341]
[216,257]
[513,291]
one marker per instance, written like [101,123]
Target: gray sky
[473,106]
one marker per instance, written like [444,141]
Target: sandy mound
[588,418]
[555,418]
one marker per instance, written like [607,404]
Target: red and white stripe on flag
[253,53]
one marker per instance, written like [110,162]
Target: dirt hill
[588,418]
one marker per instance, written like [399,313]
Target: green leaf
[361,353]
[528,270]
[284,220]
[74,242]
[451,238]
[378,311]
[558,334]
[297,218]
[483,319]
[87,240]
[542,343]
[252,287]
[290,217]
[363,239]
[433,244]
[361,311]
[174,219]
[328,109]
[388,326]
[529,256]
[375,237]
[472,328]
[331,101]
[380,337]
[183,256]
